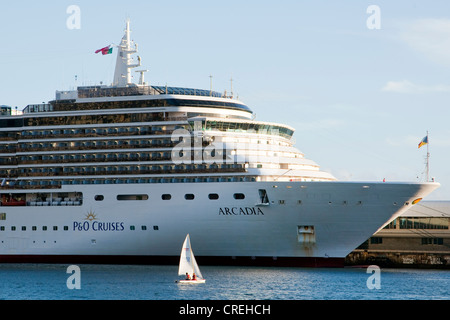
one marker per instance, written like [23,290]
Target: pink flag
[105,50]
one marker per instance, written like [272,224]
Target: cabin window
[3,216]
[99,197]
[166,197]
[426,241]
[122,197]
[144,228]
[132,228]
[189,196]
[155,228]
[213,196]
[239,196]
[376,240]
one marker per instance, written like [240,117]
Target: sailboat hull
[198,281]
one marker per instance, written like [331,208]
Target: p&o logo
[92,223]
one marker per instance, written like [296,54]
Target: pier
[419,238]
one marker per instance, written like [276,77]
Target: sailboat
[189,265]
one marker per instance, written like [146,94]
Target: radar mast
[125,62]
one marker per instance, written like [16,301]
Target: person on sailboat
[194,277]
[188,277]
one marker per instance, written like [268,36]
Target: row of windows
[92,119]
[87,145]
[148,104]
[34,184]
[92,132]
[167,196]
[424,241]
[115,169]
[420,223]
[82,119]
[250,127]
[220,162]
[114,118]
[65,228]
[123,170]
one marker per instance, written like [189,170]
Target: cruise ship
[121,173]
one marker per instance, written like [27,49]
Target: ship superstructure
[124,170]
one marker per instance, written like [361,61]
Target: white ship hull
[303,223]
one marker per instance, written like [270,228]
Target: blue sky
[360,99]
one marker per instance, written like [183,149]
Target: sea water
[139,282]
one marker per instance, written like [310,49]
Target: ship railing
[130,146]
[76,202]
[73,202]
[26,187]
[8,138]
[104,133]
[8,150]
[98,92]
[8,162]
[43,107]
[158,169]
[102,91]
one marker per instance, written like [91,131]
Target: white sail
[187,260]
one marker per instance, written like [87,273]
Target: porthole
[213,196]
[239,196]
[189,196]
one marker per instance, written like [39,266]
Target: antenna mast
[210,80]
[124,63]
[231,82]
